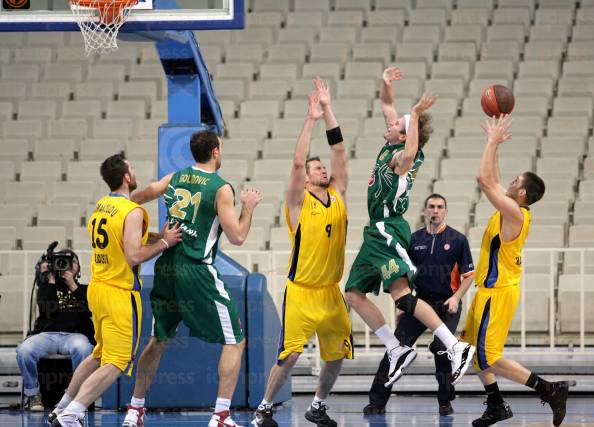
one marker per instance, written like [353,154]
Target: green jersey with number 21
[190,200]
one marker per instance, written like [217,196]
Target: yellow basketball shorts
[320,310]
[117,315]
[487,323]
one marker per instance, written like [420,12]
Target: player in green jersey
[383,261]
[187,286]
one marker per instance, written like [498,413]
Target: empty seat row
[334,71]
[78,128]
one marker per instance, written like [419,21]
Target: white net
[99,21]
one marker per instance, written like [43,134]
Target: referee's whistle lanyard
[433,233]
[432,230]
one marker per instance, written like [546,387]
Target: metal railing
[272,271]
[267,263]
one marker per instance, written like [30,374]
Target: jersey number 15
[99,231]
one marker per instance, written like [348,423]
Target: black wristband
[334,136]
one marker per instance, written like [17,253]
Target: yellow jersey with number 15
[106,229]
[318,241]
[500,263]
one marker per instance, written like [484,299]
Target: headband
[406,122]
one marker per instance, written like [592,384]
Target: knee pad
[407,303]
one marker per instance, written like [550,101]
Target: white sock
[445,336]
[64,402]
[317,401]
[265,403]
[75,408]
[386,335]
[222,404]
[136,402]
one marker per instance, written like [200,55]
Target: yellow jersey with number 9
[106,229]
[318,240]
[500,263]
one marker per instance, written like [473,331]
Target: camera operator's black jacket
[61,310]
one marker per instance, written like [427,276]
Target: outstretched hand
[314,111]
[497,128]
[426,101]
[323,91]
[390,74]
[250,197]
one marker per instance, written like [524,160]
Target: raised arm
[135,252]
[296,187]
[152,191]
[387,94]
[497,130]
[403,160]
[339,179]
[236,229]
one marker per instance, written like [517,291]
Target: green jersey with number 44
[387,193]
[190,201]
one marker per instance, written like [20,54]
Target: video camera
[57,261]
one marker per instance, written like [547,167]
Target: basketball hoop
[100,21]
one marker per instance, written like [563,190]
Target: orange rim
[99,3]
[110,11]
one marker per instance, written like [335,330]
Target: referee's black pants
[409,329]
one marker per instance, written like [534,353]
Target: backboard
[148,15]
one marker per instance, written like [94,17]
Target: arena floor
[402,411]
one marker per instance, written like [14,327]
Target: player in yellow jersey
[498,281]
[316,217]
[118,229]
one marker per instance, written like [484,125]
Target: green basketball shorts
[383,257]
[187,291]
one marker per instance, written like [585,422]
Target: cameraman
[64,325]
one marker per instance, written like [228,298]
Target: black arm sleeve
[334,136]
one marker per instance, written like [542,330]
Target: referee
[444,274]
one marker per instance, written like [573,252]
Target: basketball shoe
[134,417]
[318,415]
[67,420]
[222,419]
[53,415]
[493,414]
[263,417]
[556,397]
[400,358]
[460,355]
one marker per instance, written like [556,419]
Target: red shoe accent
[223,415]
[140,420]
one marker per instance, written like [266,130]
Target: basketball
[497,100]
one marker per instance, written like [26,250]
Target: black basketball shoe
[493,414]
[319,417]
[556,397]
